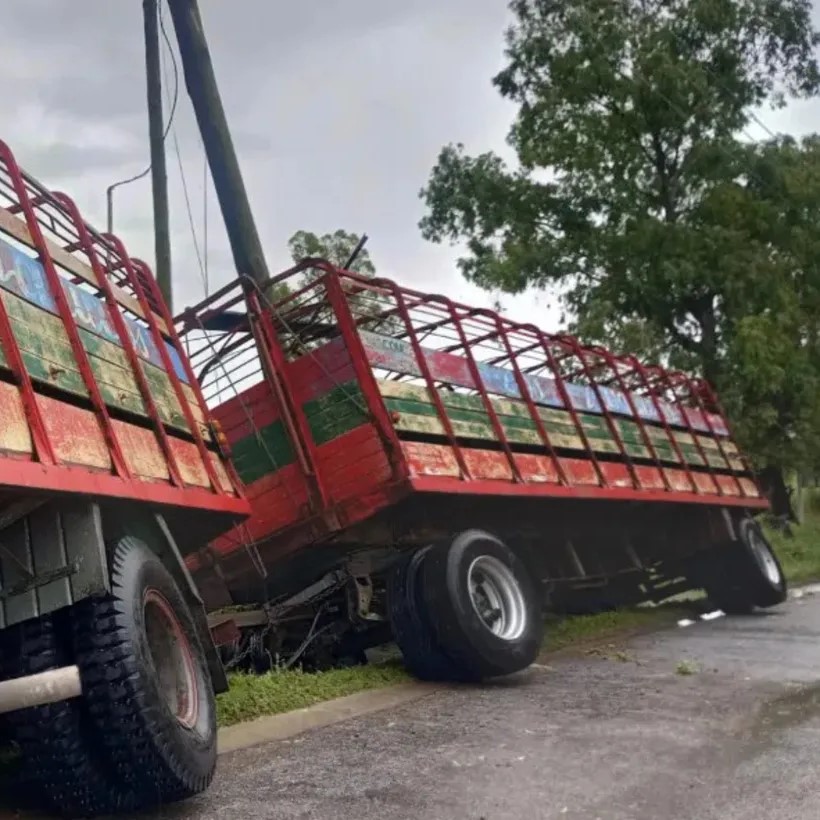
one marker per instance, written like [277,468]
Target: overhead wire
[178,153]
[120,183]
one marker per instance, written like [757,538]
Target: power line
[202,271]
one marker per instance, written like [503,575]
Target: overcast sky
[338,110]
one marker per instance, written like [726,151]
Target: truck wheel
[145,680]
[411,630]
[482,605]
[765,573]
[62,770]
[745,575]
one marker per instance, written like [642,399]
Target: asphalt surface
[618,733]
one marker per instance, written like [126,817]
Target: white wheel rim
[764,557]
[496,597]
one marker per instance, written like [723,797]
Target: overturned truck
[438,473]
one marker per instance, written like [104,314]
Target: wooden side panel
[50,360]
[354,467]
[24,276]
[15,435]
[78,441]
[311,376]
[252,422]
[397,355]
[487,465]
[414,412]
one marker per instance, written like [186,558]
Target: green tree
[318,323]
[335,247]
[635,196]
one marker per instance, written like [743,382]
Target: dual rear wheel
[144,731]
[465,610]
[742,575]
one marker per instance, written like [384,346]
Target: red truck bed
[347,395]
[96,393]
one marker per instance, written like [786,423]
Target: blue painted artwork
[397,354]
[24,276]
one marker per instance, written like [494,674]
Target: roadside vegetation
[253,696]
[799,553]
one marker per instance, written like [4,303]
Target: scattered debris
[687,668]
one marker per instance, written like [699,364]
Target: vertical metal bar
[58,294]
[528,400]
[641,371]
[137,273]
[682,377]
[580,353]
[613,365]
[125,337]
[498,428]
[424,369]
[275,368]
[567,400]
[364,373]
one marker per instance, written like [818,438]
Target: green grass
[800,555]
[252,696]
[580,629]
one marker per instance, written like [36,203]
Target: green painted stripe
[49,359]
[515,413]
[329,416]
[259,454]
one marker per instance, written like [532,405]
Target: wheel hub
[172,658]
[496,597]
[764,557]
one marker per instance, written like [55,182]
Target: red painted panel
[492,467]
[313,375]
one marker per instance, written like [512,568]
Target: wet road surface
[720,719]
[616,734]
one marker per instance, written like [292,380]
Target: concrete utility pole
[156,133]
[213,125]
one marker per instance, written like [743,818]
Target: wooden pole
[213,126]
[156,134]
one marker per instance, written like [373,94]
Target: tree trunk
[774,485]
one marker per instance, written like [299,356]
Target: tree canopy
[639,196]
[335,247]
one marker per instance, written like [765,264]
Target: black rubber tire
[62,770]
[411,630]
[766,592]
[161,759]
[459,630]
[735,579]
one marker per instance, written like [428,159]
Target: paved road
[617,735]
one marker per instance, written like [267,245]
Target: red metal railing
[431,324]
[77,261]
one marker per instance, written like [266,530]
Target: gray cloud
[338,109]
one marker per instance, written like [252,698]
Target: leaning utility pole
[213,125]
[156,133]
